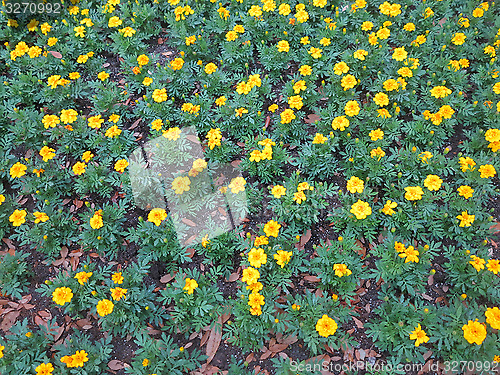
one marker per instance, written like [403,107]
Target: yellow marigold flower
[361,209]
[237,185]
[372,39]
[18,217]
[315,52]
[410,255]
[278,191]
[340,123]
[305,40]
[466,220]
[399,54]
[458,39]
[388,208]
[366,26]
[177,63]
[181,184]
[299,197]
[96,220]
[250,275]
[157,215]
[79,31]
[319,139]
[282,257]
[160,95]
[117,278]
[493,266]
[360,54]
[326,326]
[127,31]
[301,16]
[492,135]
[2,199]
[341,270]
[283,46]
[83,277]
[440,92]
[377,152]
[79,168]
[419,336]
[433,182]
[257,257]
[43,368]
[340,68]
[478,12]
[381,99]
[210,68]
[94,122]
[295,102]
[299,86]
[383,33]
[255,300]
[474,332]
[40,217]
[113,131]
[287,116]
[348,82]
[272,108]
[240,111]
[284,9]
[68,116]
[487,171]
[413,193]
[390,84]
[114,21]
[410,26]
[465,191]
[172,134]
[376,134]
[271,228]
[231,35]
[255,11]
[62,295]
[493,317]
[355,185]
[239,29]
[325,42]
[145,362]
[352,108]
[120,165]
[105,307]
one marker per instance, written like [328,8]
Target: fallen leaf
[56,54]
[250,358]
[167,278]
[313,117]
[214,340]
[278,347]
[204,338]
[266,355]
[117,365]
[135,124]
[358,322]
[233,277]
[188,222]
[305,239]
[9,320]
[312,279]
